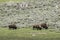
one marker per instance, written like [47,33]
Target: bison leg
[39,28]
[46,27]
[34,27]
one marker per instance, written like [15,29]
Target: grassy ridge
[28,34]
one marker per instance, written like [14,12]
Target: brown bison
[36,26]
[44,25]
[40,26]
[12,26]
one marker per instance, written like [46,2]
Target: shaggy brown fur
[36,26]
[40,26]
[12,26]
[44,25]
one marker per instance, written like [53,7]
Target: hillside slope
[30,12]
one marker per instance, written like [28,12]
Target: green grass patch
[28,34]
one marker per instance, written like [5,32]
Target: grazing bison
[38,27]
[44,25]
[12,26]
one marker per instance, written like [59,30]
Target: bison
[12,26]
[44,25]
[38,27]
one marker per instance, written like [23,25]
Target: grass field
[28,34]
